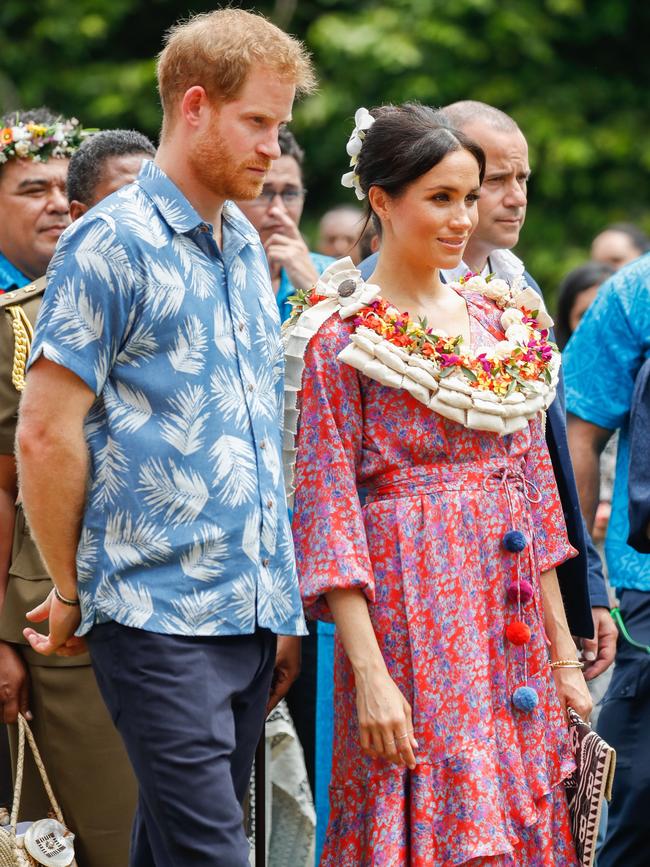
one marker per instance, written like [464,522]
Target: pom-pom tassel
[517,633]
[521,591]
[525,699]
[514,541]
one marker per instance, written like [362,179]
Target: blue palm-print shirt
[185,527]
[601,363]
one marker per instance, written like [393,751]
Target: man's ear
[77,209]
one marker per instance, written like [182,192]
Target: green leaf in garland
[469,374]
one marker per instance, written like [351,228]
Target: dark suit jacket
[639,466]
[581,579]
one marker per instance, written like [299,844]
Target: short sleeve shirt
[185,529]
[601,363]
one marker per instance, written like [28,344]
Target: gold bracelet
[566,663]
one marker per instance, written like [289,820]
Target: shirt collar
[503,263]
[179,214]
[10,276]
[173,206]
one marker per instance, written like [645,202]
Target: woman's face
[431,221]
[581,304]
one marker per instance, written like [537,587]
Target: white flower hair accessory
[363,120]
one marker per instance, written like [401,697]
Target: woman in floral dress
[450,743]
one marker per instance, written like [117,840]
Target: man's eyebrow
[33,182]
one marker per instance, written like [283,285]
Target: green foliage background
[573,73]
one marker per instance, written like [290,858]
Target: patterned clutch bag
[587,786]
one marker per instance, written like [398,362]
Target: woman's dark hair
[577,281]
[404,143]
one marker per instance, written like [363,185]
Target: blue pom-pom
[525,699]
[515,541]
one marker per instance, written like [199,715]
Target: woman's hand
[573,692]
[385,720]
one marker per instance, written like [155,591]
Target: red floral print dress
[426,550]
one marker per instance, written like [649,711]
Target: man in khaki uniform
[82,752]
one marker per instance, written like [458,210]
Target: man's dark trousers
[190,711]
[624,722]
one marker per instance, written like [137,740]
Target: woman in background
[576,294]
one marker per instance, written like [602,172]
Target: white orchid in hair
[363,120]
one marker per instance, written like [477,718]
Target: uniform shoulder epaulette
[19,296]
[23,329]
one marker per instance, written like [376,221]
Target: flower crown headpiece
[363,120]
[39,142]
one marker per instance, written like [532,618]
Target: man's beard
[215,167]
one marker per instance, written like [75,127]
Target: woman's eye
[473,197]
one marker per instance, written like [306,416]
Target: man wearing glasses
[276,213]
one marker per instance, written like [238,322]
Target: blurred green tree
[574,74]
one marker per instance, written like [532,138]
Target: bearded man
[160,337]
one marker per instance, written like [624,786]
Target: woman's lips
[453,243]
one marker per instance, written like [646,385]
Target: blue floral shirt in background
[185,528]
[10,276]
[601,363]
[286,288]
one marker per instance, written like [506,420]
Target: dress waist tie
[489,477]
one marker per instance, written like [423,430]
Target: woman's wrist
[567,662]
[367,667]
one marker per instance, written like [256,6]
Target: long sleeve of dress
[328,528]
[551,540]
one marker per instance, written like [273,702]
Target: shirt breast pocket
[26,561]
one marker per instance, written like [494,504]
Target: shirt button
[241,326]
[263,444]
[251,387]
[265,561]
[269,504]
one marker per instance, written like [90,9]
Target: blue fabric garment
[624,722]
[324,729]
[185,528]
[286,288]
[602,361]
[10,276]
[581,579]
[639,463]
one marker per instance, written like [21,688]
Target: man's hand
[598,652]
[64,620]
[14,685]
[286,249]
[287,668]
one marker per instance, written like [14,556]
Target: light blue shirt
[286,288]
[601,363]
[185,527]
[10,276]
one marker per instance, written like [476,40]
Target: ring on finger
[403,737]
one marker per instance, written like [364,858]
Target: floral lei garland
[500,369]
[40,141]
[497,388]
